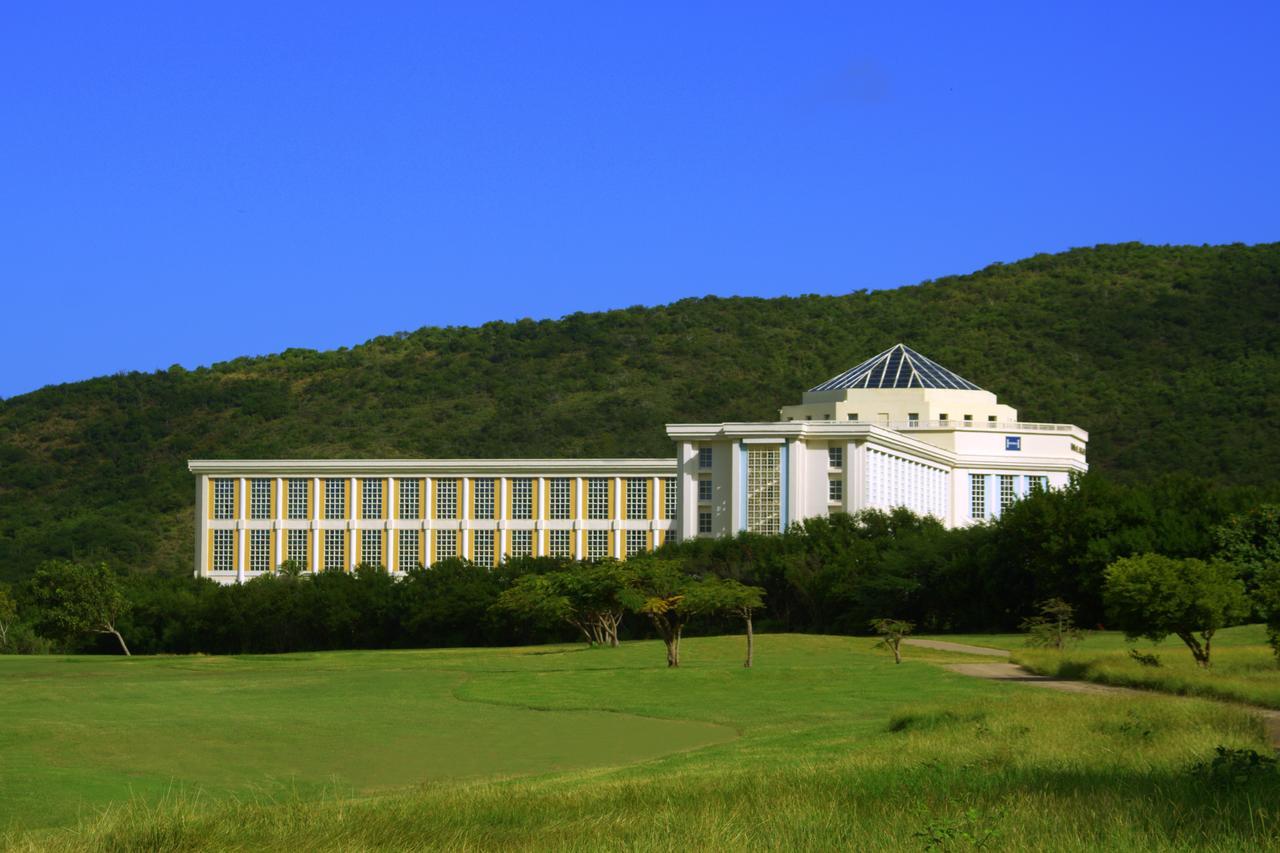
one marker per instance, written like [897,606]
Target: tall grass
[1020,769]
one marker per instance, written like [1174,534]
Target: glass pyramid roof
[897,367]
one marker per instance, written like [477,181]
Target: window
[835,457]
[407,550]
[298,499]
[484,499]
[224,550]
[704,522]
[446,498]
[259,498]
[991,419]
[637,541]
[1007,493]
[704,490]
[560,489]
[597,544]
[259,550]
[371,499]
[559,542]
[522,542]
[410,498]
[704,457]
[334,543]
[835,490]
[913,419]
[484,545]
[853,416]
[335,499]
[1038,483]
[670,498]
[522,498]
[297,545]
[371,547]
[446,544]
[977,496]
[224,498]
[968,420]
[942,418]
[637,498]
[764,492]
[597,498]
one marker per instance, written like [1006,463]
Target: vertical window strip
[522,542]
[298,499]
[764,490]
[335,499]
[446,544]
[1007,493]
[835,457]
[224,550]
[484,499]
[410,499]
[704,457]
[704,489]
[597,544]
[484,546]
[977,496]
[334,543]
[558,540]
[637,498]
[671,506]
[446,498]
[259,550]
[297,545]
[407,550]
[371,498]
[835,490]
[259,498]
[637,542]
[224,499]
[560,490]
[371,547]
[597,498]
[522,497]
[704,522]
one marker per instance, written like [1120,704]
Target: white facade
[896,431]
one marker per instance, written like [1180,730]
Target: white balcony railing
[1000,426]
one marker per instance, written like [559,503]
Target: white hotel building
[897,430]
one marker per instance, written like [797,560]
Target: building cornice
[433,467]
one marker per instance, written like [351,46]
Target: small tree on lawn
[78,598]
[1153,596]
[730,596]
[1251,543]
[892,632]
[1054,626]
[8,614]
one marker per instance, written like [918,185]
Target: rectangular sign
[1013,442]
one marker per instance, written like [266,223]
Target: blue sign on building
[1013,442]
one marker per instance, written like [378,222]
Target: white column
[280,554]
[579,513]
[687,491]
[393,538]
[241,534]
[317,558]
[618,515]
[354,526]
[428,535]
[464,507]
[500,513]
[540,514]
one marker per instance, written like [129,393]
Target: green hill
[1169,356]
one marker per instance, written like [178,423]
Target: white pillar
[202,524]
[393,538]
[241,533]
[618,515]
[541,512]
[280,554]
[579,513]
[317,558]
[464,507]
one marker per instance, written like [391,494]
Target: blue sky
[188,182]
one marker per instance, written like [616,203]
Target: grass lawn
[825,743]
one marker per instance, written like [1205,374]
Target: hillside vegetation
[1167,355]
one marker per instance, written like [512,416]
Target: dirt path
[1013,672]
[944,646]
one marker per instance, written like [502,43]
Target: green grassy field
[825,743]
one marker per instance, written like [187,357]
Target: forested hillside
[1169,356]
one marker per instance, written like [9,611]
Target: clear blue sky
[189,182]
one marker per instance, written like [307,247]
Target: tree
[79,598]
[8,614]
[730,596]
[586,595]
[1054,626]
[659,589]
[1251,543]
[892,632]
[1153,596]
